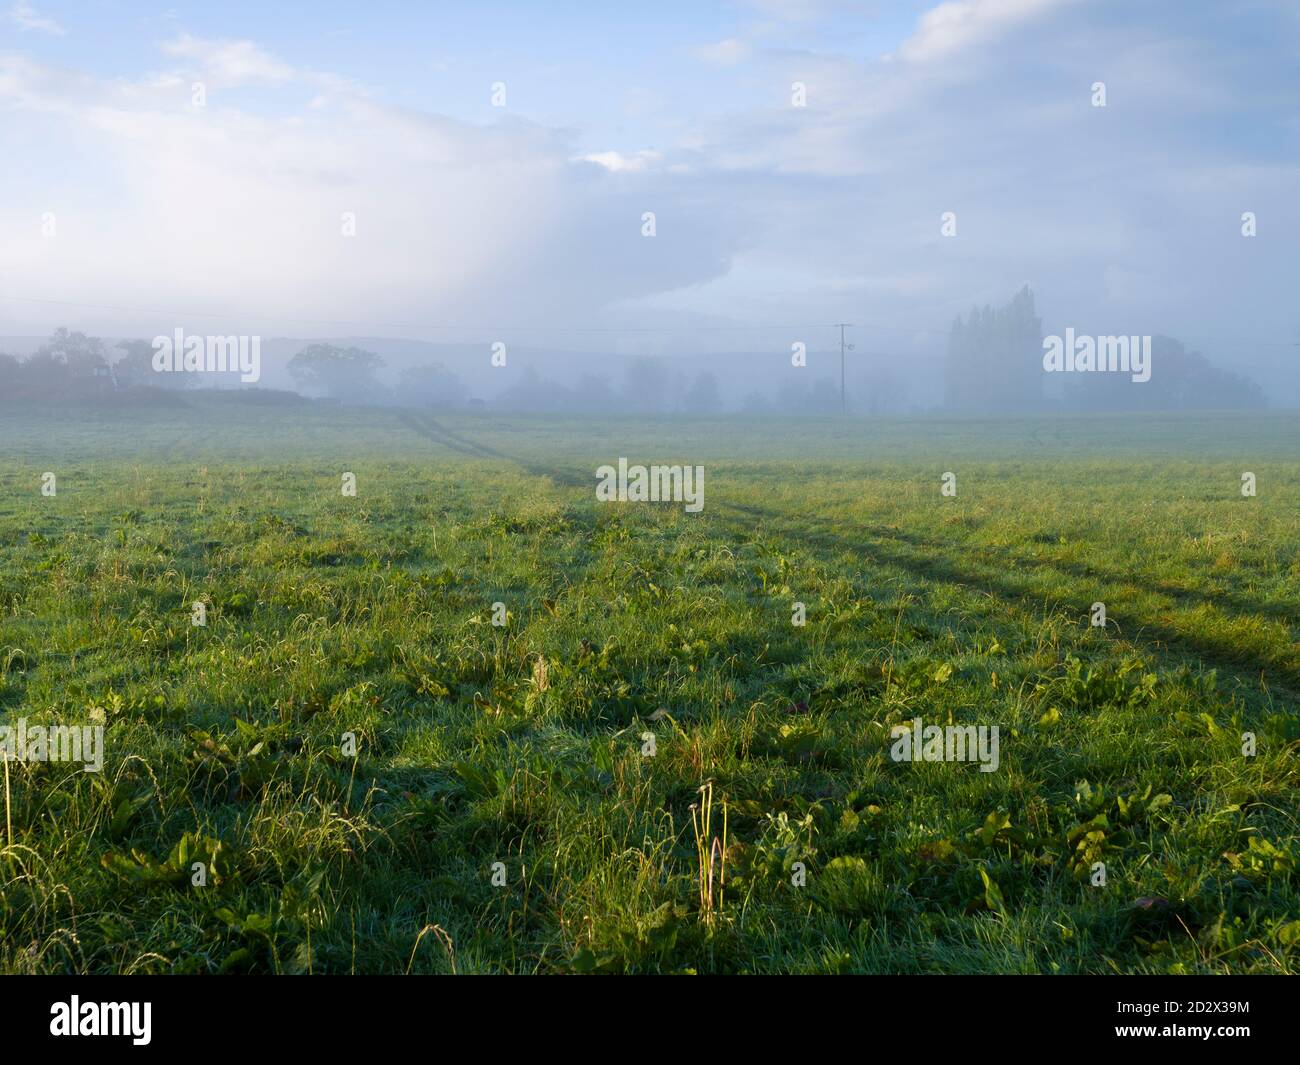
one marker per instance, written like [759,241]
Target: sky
[128,207]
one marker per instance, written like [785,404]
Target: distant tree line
[72,366]
[995,365]
[1181,379]
[649,386]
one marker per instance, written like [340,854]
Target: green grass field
[524,744]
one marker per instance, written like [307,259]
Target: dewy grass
[350,758]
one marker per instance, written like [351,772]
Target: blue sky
[477,220]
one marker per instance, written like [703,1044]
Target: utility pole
[844,405]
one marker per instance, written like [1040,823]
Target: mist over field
[775,486]
[707,188]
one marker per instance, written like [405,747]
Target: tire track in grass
[1154,638]
[1083,571]
[432,430]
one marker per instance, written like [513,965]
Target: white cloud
[236,212]
[26,17]
[230,63]
[617,162]
[726,53]
[958,24]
